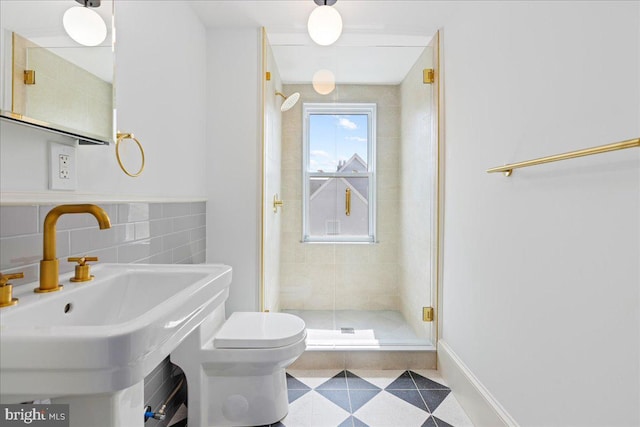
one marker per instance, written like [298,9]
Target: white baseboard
[481,407]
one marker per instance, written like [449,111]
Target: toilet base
[235,386]
[247,400]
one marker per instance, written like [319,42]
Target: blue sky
[336,137]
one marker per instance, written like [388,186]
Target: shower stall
[350,216]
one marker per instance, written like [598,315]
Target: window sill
[338,242]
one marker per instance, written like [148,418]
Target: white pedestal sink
[92,343]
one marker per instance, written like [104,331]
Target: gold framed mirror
[49,80]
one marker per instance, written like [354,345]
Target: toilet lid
[259,330]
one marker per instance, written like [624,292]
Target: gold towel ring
[120,137]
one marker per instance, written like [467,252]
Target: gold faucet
[49,266]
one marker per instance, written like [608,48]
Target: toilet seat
[259,330]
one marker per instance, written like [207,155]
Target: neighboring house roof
[359,185]
[354,190]
[315,184]
[354,164]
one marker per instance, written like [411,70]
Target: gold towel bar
[508,169]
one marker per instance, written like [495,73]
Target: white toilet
[235,369]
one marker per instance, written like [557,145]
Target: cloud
[347,124]
[319,153]
[355,138]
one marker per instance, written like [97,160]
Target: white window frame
[369,109]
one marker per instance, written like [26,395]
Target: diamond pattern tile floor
[367,398]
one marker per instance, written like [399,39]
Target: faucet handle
[4,278]
[82,260]
[82,269]
[6,289]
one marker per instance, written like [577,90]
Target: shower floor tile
[358,328]
[374,398]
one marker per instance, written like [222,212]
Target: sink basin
[105,335]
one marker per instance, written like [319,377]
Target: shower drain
[347,331]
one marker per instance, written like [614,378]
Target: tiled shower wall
[342,276]
[154,233]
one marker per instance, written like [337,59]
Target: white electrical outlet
[62,167]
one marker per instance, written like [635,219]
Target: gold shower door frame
[437,129]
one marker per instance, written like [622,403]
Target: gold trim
[13,68]
[508,169]
[119,138]
[438,123]
[268,75]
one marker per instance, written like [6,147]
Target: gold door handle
[347,202]
[277,203]
[6,289]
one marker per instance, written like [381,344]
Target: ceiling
[381,39]
[380,42]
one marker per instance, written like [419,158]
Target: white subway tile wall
[140,233]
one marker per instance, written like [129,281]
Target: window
[339,172]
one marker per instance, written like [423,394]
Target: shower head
[289,101]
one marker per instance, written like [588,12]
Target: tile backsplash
[154,233]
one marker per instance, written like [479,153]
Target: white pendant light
[84,26]
[324,25]
[324,82]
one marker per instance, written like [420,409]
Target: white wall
[541,277]
[160,97]
[234,158]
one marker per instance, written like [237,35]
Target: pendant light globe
[84,26]
[324,25]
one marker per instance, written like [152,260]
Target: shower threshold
[358,330]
